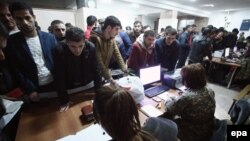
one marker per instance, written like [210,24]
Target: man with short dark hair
[7,19]
[137,30]
[6,79]
[231,39]
[58,28]
[185,43]
[143,52]
[30,52]
[201,47]
[91,23]
[167,50]
[75,64]
[106,47]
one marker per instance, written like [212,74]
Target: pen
[158,105]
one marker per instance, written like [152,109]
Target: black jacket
[22,62]
[201,48]
[72,71]
[167,56]
[7,78]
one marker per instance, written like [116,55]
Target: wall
[82,14]
[198,21]
[45,16]
[126,12]
[235,18]
[146,20]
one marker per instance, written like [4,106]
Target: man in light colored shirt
[30,52]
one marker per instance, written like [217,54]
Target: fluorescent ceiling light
[208,5]
[193,0]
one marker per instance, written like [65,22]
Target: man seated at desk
[75,65]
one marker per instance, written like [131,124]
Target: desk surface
[218,60]
[43,122]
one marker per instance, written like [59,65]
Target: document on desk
[92,133]
[12,107]
[151,111]
[166,96]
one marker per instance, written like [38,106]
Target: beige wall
[45,16]
[199,21]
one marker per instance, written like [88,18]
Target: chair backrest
[243,92]
[220,131]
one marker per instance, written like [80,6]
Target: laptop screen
[218,53]
[227,50]
[150,74]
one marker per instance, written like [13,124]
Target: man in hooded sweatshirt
[106,47]
[143,52]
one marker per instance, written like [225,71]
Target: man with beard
[167,49]
[30,52]
[137,30]
[143,52]
[75,65]
[58,28]
[106,46]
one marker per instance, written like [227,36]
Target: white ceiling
[218,4]
[151,6]
[195,7]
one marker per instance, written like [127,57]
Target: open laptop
[218,53]
[149,76]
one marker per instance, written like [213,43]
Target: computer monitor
[150,75]
[227,50]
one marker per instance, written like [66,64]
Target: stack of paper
[151,111]
[92,133]
[12,108]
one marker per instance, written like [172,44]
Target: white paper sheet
[151,111]
[92,133]
[12,107]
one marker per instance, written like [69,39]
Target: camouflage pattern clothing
[195,110]
[244,72]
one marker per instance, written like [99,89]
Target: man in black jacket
[201,47]
[167,50]
[75,65]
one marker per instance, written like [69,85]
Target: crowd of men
[37,61]
[66,57]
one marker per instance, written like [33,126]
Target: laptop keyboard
[154,91]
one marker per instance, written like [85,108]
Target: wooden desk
[43,122]
[233,65]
